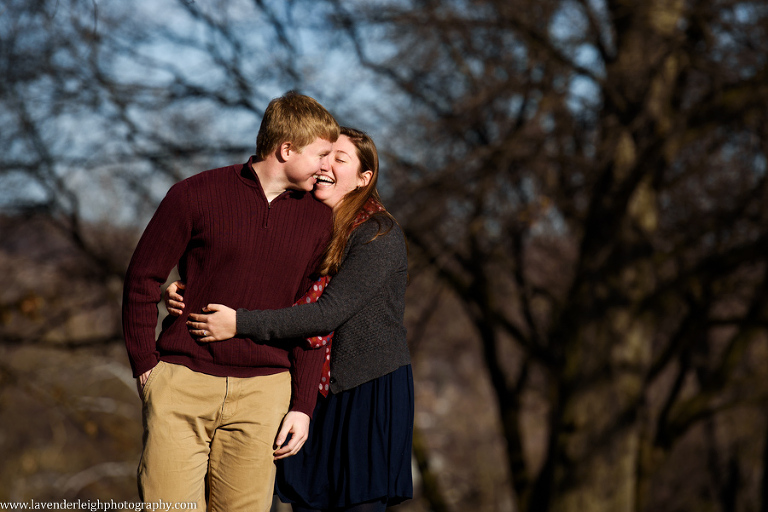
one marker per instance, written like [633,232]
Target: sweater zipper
[269,208]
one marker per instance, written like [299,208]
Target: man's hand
[141,380]
[297,424]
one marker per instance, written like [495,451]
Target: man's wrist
[303,407]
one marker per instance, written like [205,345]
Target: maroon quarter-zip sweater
[232,247]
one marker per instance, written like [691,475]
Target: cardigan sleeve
[365,270]
[158,251]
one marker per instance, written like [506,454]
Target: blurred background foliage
[582,182]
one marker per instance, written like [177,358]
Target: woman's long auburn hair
[346,211]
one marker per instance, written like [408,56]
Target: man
[248,235]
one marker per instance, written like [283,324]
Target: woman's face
[343,177]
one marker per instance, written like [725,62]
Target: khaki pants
[198,426]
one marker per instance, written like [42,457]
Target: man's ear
[364,178]
[285,150]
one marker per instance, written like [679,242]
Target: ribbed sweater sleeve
[306,367]
[364,272]
[149,268]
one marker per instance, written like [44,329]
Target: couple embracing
[243,394]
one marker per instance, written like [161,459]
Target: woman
[357,456]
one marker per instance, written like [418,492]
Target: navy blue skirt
[358,450]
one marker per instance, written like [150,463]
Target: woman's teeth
[324,179]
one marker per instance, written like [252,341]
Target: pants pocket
[152,375]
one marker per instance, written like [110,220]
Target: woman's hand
[174,301]
[219,323]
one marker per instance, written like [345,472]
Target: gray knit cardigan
[364,305]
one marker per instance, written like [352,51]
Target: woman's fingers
[175,308]
[203,335]
[217,325]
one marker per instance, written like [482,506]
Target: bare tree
[585,178]
[103,105]
[589,179]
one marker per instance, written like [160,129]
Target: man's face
[302,166]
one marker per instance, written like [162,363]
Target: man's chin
[303,187]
